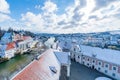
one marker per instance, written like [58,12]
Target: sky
[60,16]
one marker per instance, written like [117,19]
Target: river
[11,67]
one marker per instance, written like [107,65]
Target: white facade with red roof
[8,50]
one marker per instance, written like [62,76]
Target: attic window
[94,55]
[53,69]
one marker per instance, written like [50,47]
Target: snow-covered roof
[45,68]
[7,35]
[64,44]
[63,57]
[108,55]
[50,42]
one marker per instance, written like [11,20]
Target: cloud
[45,21]
[4,17]
[4,7]
[4,11]
[49,7]
[37,7]
[78,17]
[30,19]
[103,3]
[93,17]
[82,3]
[117,15]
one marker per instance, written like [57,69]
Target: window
[99,63]
[53,69]
[74,49]
[83,62]
[88,59]
[106,65]
[0,50]
[74,55]
[83,57]
[114,68]
[78,57]
[113,74]
[99,68]
[106,71]
[87,64]
[93,61]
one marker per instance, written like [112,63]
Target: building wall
[24,45]
[107,68]
[10,53]
[63,71]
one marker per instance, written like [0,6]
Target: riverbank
[14,65]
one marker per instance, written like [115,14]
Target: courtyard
[81,72]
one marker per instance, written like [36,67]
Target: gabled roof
[64,44]
[26,37]
[10,45]
[7,35]
[45,68]
[63,57]
[17,36]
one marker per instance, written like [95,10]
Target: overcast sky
[60,16]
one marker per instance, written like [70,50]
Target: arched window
[106,65]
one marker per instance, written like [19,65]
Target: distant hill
[115,32]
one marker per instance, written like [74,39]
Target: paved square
[81,72]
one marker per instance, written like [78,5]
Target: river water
[11,67]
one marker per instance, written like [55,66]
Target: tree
[10,29]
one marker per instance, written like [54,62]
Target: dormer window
[53,69]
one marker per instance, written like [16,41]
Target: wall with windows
[23,46]
[107,68]
[76,53]
[10,53]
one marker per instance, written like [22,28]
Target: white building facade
[103,60]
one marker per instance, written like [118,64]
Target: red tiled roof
[26,37]
[40,69]
[10,45]
[17,36]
